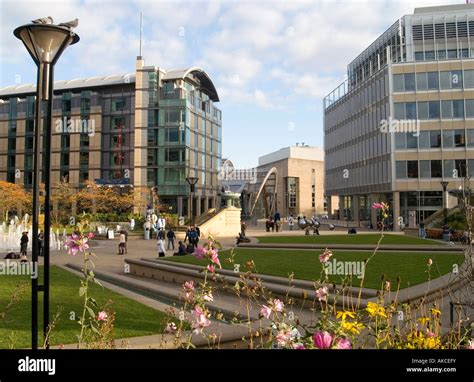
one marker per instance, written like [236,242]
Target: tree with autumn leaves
[14,200]
[67,201]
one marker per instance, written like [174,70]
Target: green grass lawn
[411,267]
[348,239]
[132,318]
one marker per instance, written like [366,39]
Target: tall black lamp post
[192,180]
[45,43]
[444,184]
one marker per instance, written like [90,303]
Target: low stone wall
[225,224]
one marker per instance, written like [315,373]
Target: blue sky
[271,61]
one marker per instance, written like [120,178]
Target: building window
[29,143]
[458,108]
[412,169]
[459,138]
[65,142]
[448,169]
[64,175]
[433,80]
[424,140]
[118,104]
[64,159]
[421,81]
[433,110]
[85,105]
[117,123]
[412,141]
[448,139]
[172,155]
[173,134]
[425,169]
[30,126]
[460,167]
[83,159]
[117,140]
[435,139]
[436,169]
[117,159]
[313,196]
[470,137]
[291,190]
[28,162]
[83,176]
[85,142]
[28,179]
[409,82]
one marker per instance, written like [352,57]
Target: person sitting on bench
[242,239]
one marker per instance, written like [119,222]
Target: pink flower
[299,346]
[171,327]
[76,243]
[343,343]
[378,206]
[198,311]
[189,285]
[200,253]
[322,293]
[102,316]
[283,337]
[90,235]
[430,334]
[211,268]
[322,339]
[324,257]
[201,320]
[277,305]
[265,311]
[215,257]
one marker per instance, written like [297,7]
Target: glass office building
[151,128]
[403,122]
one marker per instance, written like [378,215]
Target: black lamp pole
[45,43]
[444,184]
[192,180]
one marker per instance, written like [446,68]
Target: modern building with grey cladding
[403,122]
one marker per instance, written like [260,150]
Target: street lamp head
[192,180]
[45,41]
[444,184]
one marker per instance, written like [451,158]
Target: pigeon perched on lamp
[44,20]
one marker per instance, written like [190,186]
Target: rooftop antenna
[141,27]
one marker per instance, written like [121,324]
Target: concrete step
[303,293]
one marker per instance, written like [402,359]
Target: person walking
[291,222]
[243,227]
[41,244]
[122,247]
[161,247]
[24,243]
[171,237]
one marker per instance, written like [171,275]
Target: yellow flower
[375,309]
[423,320]
[435,312]
[352,327]
[343,314]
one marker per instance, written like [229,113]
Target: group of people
[273,223]
[192,237]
